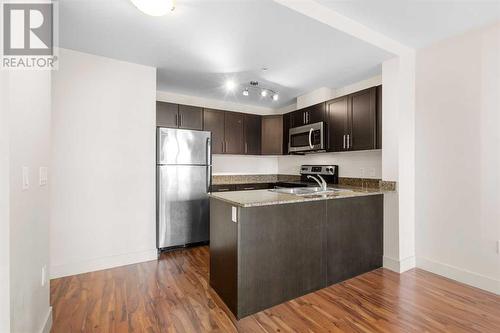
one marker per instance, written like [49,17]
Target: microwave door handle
[310,138]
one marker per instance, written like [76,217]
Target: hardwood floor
[173,295]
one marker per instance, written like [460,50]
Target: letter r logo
[28,29]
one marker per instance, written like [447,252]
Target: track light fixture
[264,92]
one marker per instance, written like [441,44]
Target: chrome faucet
[321,182]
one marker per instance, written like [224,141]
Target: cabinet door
[190,117]
[354,236]
[234,137]
[315,113]
[253,134]
[167,114]
[297,118]
[213,121]
[379,117]
[363,121]
[337,119]
[272,135]
[286,130]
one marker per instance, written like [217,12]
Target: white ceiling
[204,42]
[418,23]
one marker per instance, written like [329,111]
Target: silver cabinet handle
[180,120]
[307,117]
[249,188]
[304,117]
[246,148]
[176,120]
[310,138]
[348,141]
[344,141]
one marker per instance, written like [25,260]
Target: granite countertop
[266,197]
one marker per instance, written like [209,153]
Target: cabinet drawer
[222,188]
[250,187]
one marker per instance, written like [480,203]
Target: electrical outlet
[372,172]
[44,275]
[26,178]
[234,214]
[44,178]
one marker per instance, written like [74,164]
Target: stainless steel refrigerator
[184,168]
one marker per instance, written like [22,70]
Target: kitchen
[254,166]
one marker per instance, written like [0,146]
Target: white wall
[29,124]
[362,164]
[244,165]
[166,96]
[4,206]
[103,164]
[458,158]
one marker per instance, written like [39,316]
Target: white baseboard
[102,263]
[47,326]
[399,266]
[460,275]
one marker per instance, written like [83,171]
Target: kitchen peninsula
[269,246]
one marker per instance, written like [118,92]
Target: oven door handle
[310,138]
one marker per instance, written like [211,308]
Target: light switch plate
[44,178]
[26,178]
[44,275]
[234,214]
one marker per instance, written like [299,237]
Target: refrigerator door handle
[209,178]
[208,151]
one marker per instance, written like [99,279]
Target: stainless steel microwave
[308,138]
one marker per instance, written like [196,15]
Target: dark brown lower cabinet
[272,254]
[354,237]
[213,121]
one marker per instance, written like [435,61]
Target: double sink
[307,191]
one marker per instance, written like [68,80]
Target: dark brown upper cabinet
[179,116]
[167,114]
[379,117]
[353,121]
[190,117]
[234,135]
[309,115]
[253,132]
[363,114]
[297,118]
[315,113]
[337,119]
[286,131]
[213,121]
[272,135]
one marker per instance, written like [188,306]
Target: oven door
[306,138]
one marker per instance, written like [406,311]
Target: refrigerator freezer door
[183,205]
[176,146]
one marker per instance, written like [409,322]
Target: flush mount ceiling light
[155,7]
[264,92]
[230,85]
